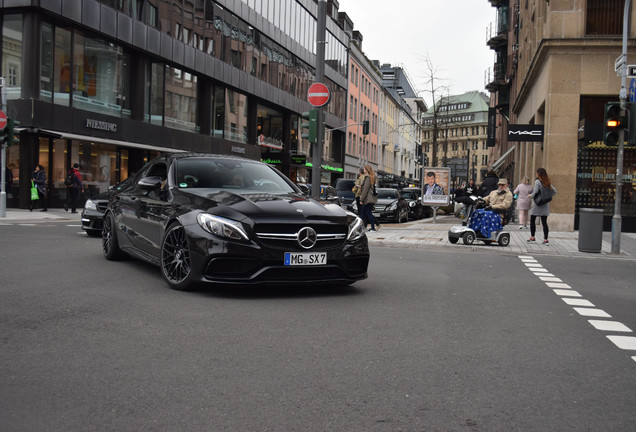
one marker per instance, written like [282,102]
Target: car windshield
[409,195]
[387,193]
[233,174]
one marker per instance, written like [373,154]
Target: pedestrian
[499,201]
[470,188]
[544,187]
[489,184]
[368,198]
[74,187]
[39,180]
[522,191]
[357,189]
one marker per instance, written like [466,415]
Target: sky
[452,33]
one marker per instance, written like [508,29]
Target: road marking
[599,313]
[549,279]
[578,302]
[557,285]
[614,326]
[585,307]
[624,342]
[569,293]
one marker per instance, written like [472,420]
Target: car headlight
[222,227]
[356,230]
[412,204]
[354,206]
[393,206]
[90,205]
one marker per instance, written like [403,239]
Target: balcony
[497,35]
[495,78]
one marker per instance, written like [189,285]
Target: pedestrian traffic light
[613,123]
[6,136]
[365,127]
[311,124]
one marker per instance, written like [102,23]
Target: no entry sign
[3,120]
[318,94]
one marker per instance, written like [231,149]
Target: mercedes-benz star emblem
[307,238]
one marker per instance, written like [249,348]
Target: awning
[501,160]
[58,134]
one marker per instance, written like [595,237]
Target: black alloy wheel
[110,244]
[176,266]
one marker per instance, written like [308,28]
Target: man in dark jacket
[74,189]
[489,184]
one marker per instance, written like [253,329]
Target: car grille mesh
[284,237]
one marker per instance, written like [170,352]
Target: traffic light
[311,125]
[6,136]
[365,127]
[613,123]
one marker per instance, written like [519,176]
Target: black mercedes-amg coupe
[230,220]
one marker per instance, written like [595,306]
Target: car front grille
[101,206]
[285,237]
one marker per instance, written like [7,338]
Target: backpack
[70,179]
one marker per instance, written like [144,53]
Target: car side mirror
[150,183]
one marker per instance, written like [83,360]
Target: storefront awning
[501,160]
[58,134]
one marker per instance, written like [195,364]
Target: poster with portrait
[436,186]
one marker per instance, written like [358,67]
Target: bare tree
[434,89]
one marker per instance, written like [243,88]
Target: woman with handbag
[39,180]
[368,198]
[541,196]
[522,195]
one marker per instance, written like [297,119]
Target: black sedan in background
[391,206]
[228,220]
[94,209]
[413,197]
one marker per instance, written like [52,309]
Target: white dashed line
[581,306]
[624,342]
[599,313]
[614,326]
[557,285]
[567,293]
[578,302]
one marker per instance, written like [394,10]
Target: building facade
[109,85]
[555,67]
[454,133]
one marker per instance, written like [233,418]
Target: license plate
[376,214]
[305,258]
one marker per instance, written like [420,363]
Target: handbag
[539,199]
[34,191]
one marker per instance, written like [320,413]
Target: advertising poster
[436,186]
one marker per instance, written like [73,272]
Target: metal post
[3,153]
[316,158]
[616,219]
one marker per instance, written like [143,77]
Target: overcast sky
[451,32]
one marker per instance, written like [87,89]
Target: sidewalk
[416,234]
[426,234]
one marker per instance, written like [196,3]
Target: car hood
[263,207]
[386,201]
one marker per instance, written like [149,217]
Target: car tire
[110,243]
[469,238]
[453,240]
[176,264]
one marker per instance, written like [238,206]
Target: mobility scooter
[468,234]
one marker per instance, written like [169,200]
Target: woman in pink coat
[523,201]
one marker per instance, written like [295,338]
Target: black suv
[413,197]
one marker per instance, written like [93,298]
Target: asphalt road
[432,341]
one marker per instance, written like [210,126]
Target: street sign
[318,95]
[620,61]
[631,71]
[3,120]
[632,90]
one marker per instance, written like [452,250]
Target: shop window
[12,54]
[235,117]
[154,114]
[62,67]
[46,62]
[218,112]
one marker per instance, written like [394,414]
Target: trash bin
[590,230]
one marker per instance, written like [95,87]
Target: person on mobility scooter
[487,218]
